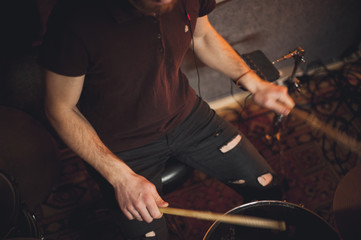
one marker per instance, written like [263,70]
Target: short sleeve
[207,6]
[62,51]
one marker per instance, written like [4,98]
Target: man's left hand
[274,97]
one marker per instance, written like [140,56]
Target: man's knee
[265,179]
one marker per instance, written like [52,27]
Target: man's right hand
[138,198]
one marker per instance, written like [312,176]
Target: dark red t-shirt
[134,91]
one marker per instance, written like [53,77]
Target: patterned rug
[309,164]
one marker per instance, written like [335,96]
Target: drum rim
[30,218]
[15,193]
[294,205]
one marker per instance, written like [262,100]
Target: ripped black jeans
[203,141]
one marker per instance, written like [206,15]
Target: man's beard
[147,7]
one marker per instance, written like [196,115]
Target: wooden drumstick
[349,142]
[232,219]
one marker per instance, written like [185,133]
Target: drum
[347,205]
[16,220]
[301,224]
[29,154]
[26,226]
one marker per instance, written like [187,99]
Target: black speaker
[264,68]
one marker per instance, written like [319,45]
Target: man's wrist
[250,81]
[115,170]
[238,81]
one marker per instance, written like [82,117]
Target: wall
[325,29]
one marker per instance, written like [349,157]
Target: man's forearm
[214,51]
[80,136]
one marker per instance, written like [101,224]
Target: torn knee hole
[231,144]
[265,179]
[150,234]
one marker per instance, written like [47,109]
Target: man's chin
[166,7]
[150,7]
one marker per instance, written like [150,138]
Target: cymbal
[347,205]
[29,154]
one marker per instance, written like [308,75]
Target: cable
[195,63]
[336,98]
[188,20]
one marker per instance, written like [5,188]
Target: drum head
[301,224]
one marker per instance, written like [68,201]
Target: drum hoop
[266,202]
[15,194]
[32,222]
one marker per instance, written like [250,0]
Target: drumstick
[233,219]
[351,143]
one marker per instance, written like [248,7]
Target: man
[117,97]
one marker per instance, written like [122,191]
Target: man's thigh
[220,150]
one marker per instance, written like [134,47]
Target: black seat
[174,175]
